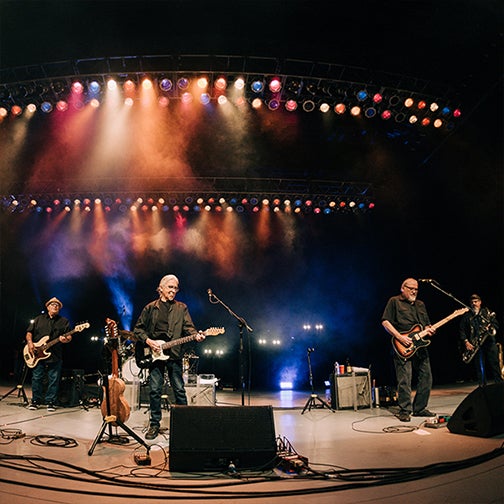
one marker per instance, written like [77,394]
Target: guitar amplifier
[351,391]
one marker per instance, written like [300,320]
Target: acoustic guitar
[114,403]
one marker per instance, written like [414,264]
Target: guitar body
[114,403]
[417,342]
[39,352]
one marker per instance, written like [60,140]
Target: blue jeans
[53,370]
[156,382]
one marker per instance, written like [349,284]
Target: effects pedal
[142,459]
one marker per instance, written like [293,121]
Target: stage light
[94,87]
[445,111]
[202,82]
[286,385]
[291,105]
[147,84]
[3,112]
[457,113]
[434,107]
[222,100]
[370,112]
[257,86]
[94,103]
[421,105]
[274,104]
[355,111]
[377,98]
[239,209]
[256,103]
[187,98]
[16,110]
[324,107]
[340,108]
[362,95]
[308,106]
[425,121]
[46,107]
[128,101]
[165,85]
[438,123]
[327,211]
[129,86]
[386,115]
[275,85]
[413,119]
[111,85]
[254,201]
[183,83]
[205,98]
[77,88]
[31,107]
[62,106]
[220,84]
[408,102]
[239,83]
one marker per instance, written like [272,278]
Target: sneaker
[51,407]
[425,413]
[33,406]
[153,432]
[403,416]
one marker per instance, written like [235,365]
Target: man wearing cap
[476,324]
[52,324]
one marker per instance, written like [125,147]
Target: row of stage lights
[273,92]
[297,205]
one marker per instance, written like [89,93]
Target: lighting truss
[293,85]
[295,196]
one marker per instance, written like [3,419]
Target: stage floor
[353,456]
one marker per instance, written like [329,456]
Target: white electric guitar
[145,356]
[40,347]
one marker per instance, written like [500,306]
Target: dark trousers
[419,364]
[487,362]
[53,370]
[156,382]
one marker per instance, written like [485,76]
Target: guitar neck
[178,341]
[57,340]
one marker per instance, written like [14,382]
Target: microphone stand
[241,324]
[436,285]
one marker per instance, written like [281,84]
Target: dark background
[438,201]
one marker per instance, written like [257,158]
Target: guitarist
[165,319]
[478,323]
[51,324]
[401,314]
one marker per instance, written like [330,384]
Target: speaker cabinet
[481,413]
[209,438]
[71,387]
[350,391]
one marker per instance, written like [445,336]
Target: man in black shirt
[402,313]
[50,324]
[165,319]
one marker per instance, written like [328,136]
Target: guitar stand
[19,387]
[314,400]
[108,420]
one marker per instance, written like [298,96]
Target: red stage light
[275,85]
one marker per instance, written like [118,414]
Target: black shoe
[33,406]
[152,433]
[51,407]
[403,416]
[425,413]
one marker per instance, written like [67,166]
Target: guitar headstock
[81,327]
[214,331]
[461,311]
[111,328]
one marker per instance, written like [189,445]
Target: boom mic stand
[241,324]
[20,386]
[312,400]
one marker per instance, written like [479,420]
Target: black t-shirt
[404,314]
[43,325]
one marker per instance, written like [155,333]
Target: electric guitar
[145,356]
[40,347]
[417,335]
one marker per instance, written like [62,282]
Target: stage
[346,455]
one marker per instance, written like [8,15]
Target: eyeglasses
[53,304]
[413,289]
[172,287]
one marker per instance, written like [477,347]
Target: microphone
[210,293]
[427,280]
[311,350]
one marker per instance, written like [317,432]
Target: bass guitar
[114,403]
[417,335]
[41,347]
[145,356]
